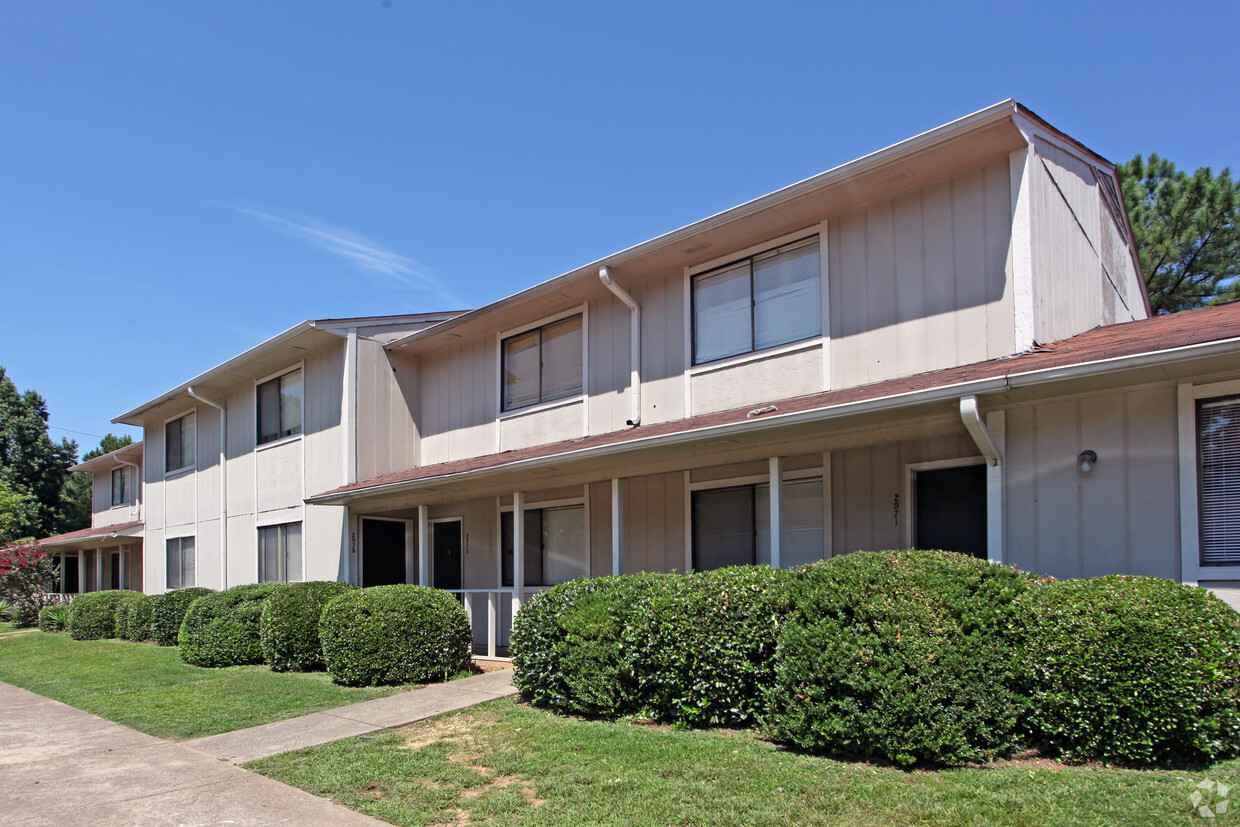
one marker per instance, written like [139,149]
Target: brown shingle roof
[1160,333]
[88,533]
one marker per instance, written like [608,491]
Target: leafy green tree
[1187,231]
[31,464]
[77,491]
[15,512]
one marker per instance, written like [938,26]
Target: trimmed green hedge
[168,612]
[221,628]
[289,628]
[92,616]
[394,634]
[1132,670]
[907,655]
[133,617]
[700,646]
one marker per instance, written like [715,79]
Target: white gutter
[223,369]
[635,345]
[942,393]
[972,419]
[223,483]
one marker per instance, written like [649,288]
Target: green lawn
[508,763]
[147,687]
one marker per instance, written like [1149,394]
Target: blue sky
[179,181]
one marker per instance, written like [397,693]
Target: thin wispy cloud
[358,250]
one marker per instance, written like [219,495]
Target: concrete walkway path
[250,744]
[62,766]
[65,767]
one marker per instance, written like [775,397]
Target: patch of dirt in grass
[458,731]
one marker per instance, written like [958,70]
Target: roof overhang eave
[832,177]
[132,417]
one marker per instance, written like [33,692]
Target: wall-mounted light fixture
[1087,460]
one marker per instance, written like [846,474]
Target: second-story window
[762,301]
[279,407]
[120,486]
[543,364]
[179,442]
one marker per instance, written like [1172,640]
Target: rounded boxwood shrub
[907,655]
[221,628]
[394,634]
[566,645]
[701,646]
[54,618]
[1132,670]
[289,627]
[168,612]
[133,617]
[92,616]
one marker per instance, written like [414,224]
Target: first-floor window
[181,563]
[1218,452]
[279,553]
[732,526]
[555,545]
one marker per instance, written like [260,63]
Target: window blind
[1218,436]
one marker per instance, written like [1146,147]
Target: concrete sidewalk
[62,766]
[244,745]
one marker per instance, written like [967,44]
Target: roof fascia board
[890,154]
[942,393]
[110,458]
[130,417]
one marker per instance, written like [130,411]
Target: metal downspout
[635,341]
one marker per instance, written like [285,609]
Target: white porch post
[617,527]
[518,551]
[424,546]
[122,576]
[777,509]
[81,558]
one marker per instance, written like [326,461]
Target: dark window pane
[723,528]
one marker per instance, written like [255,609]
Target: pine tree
[1187,231]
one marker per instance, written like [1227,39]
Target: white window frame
[180,552]
[281,565]
[822,472]
[1191,569]
[193,466]
[126,484]
[580,310]
[541,505]
[261,446]
[814,232]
